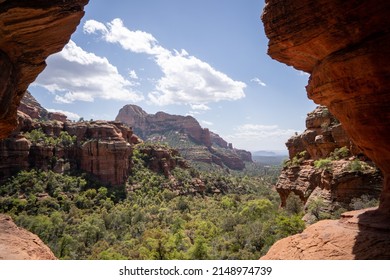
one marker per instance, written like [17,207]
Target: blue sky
[201,58]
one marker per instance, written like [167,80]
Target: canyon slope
[185,134]
[48,141]
[30,31]
[326,166]
[344,45]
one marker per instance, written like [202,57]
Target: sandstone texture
[349,174]
[361,235]
[345,46]
[30,31]
[185,134]
[162,160]
[101,148]
[19,244]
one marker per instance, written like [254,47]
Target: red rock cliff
[30,31]
[345,46]
[348,175]
[209,147]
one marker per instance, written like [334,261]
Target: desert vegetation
[235,217]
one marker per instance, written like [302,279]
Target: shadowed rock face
[30,31]
[345,46]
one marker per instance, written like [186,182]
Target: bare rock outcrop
[323,134]
[162,159]
[208,147]
[361,235]
[145,124]
[30,31]
[344,45]
[101,148]
[346,173]
[19,244]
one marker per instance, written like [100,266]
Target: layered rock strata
[101,148]
[337,183]
[207,147]
[30,31]
[163,160]
[344,45]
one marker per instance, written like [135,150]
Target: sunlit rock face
[358,234]
[18,244]
[338,184]
[30,31]
[209,148]
[345,46]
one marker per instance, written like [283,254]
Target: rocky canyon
[325,164]
[185,134]
[344,46]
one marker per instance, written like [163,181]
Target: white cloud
[92,26]
[201,107]
[260,137]
[186,79]
[207,123]
[193,113]
[302,73]
[115,32]
[70,115]
[74,74]
[259,82]
[133,75]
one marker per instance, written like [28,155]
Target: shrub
[296,160]
[339,153]
[325,164]
[363,202]
[316,207]
[356,166]
[294,204]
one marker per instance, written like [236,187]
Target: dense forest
[236,216]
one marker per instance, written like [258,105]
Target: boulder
[19,244]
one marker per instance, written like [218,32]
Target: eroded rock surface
[186,135]
[101,148]
[345,46]
[19,244]
[348,175]
[361,234]
[30,31]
